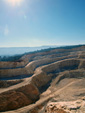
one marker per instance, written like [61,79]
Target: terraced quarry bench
[42,77]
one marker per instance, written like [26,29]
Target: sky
[29,23]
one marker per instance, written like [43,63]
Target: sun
[14,2]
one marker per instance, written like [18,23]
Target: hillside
[45,81]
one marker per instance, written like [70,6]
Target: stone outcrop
[41,79]
[50,71]
[11,72]
[63,64]
[66,107]
[5,83]
[18,98]
[82,64]
[43,74]
[8,65]
[30,67]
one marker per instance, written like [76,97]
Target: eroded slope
[54,78]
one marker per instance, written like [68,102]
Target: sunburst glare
[14,2]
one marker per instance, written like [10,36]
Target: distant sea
[9,51]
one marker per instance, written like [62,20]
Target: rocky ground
[56,84]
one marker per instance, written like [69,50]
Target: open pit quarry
[51,81]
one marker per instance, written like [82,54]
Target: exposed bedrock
[41,79]
[82,55]
[45,61]
[43,74]
[54,71]
[82,64]
[25,61]
[46,54]
[13,72]
[5,83]
[70,74]
[66,107]
[30,67]
[28,94]
[18,98]
[9,65]
[62,65]
[50,68]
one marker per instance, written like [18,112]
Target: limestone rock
[21,97]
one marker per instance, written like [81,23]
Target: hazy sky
[41,22]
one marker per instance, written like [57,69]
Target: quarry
[46,81]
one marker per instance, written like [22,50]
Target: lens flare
[14,2]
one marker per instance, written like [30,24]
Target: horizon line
[39,46]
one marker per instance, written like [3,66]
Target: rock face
[13,100]
[64,64]
[13,72]
[7,65]
[41,79]
[66,107]
[29,68]
[18,98]
[82,64]
[57,81]
[54,109]
[31,61]
[5,83]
